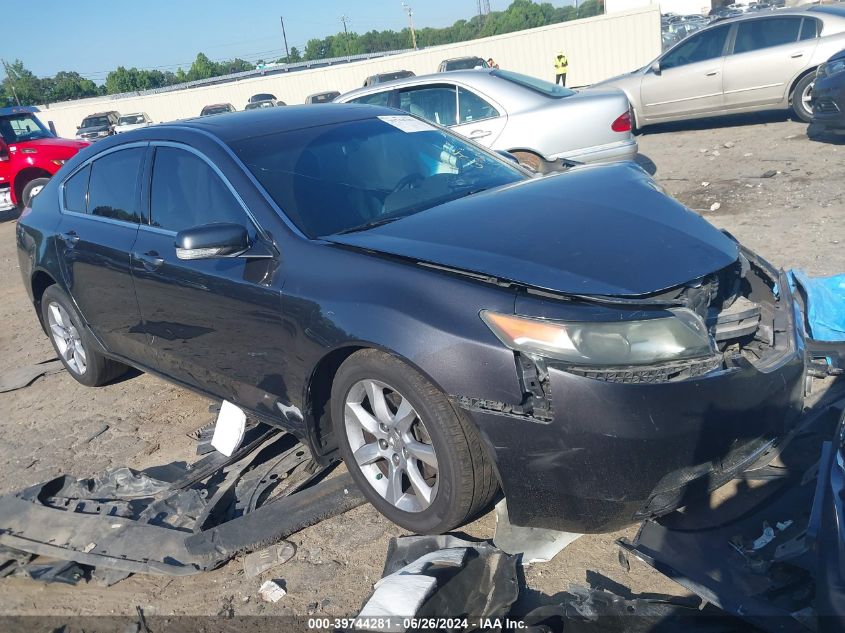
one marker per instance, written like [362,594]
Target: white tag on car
[229,429]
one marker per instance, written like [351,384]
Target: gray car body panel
[756,80]
[577,127]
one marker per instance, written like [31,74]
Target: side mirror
[655,68]
[211,240]
[78,127]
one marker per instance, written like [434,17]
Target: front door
[689,80]
[99,225]
[214,323]
[767,54]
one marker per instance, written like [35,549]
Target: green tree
[203,68]
[66,86]
[20,81]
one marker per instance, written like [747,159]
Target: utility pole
[410,12]
[11,81]
[345,19]
[285,36]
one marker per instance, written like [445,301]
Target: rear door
[213,323]
[99,225]
[767,53]
[478,118]
[690,78]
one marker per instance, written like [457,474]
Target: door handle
[70,238]
[150,260]
[797,55]
[479,133]
[712,73]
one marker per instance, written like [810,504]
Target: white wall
[678,7]
[597,48]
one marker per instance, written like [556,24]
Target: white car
[129,122]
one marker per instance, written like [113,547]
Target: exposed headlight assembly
[831,68]
[606,344]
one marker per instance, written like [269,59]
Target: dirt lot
[760,177]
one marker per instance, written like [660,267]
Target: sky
[94,37]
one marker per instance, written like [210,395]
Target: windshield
[215,110]
[259,104]
[131,119]
[466,64]
[18,128]
[349,176]
[95,121]
[532,83]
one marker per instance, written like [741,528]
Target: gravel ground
[759,177]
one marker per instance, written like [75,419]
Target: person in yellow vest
[561,66]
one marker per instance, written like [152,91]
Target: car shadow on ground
[818,134]
[710,123]
[10,215]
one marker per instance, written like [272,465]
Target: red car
[29,155]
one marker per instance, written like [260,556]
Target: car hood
[59,148]
[595,230]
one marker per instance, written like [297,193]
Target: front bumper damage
[593,450]
[773,555]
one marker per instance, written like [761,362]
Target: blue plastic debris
[825,304]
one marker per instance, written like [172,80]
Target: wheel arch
[318,422]
[27,175]
[795,81]
[39,282]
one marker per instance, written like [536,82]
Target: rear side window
[187,192]
[809,29]
[437,104]
[753,35]
[113,186]
[473,108]
[76,191]
[378,98]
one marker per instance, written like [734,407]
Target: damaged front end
[714,386]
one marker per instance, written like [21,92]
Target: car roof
[105,113]
[468,76]
[18,110]
[236,126]
[815,11]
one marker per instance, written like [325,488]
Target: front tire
[415,458]
[32,189]
[72,342]
[801,98]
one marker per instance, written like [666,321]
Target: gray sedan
[759,61]
[537,121]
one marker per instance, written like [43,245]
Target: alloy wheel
[66,337]
[391,445]
[807,97]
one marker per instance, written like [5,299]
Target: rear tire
[450,486]
[31,189]
[801,98]
[73,343]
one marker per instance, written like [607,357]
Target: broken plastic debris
[259,562]
[271,591]
[705,184]
[537,545]
[764,539]
[229,430]
[783,525]
[715,206]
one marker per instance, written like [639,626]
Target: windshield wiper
[369,225]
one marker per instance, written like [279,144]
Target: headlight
[103,133]
[612,343]
[831,68]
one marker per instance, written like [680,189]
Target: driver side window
[700,47]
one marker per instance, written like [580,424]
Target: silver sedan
[537,121]
[759,61]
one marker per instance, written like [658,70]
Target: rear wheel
[416,459]
[801,98]
[73,344]
[32,189]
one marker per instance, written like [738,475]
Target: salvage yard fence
[597,48]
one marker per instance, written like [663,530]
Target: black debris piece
[176,519]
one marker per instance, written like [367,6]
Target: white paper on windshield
[407,123]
